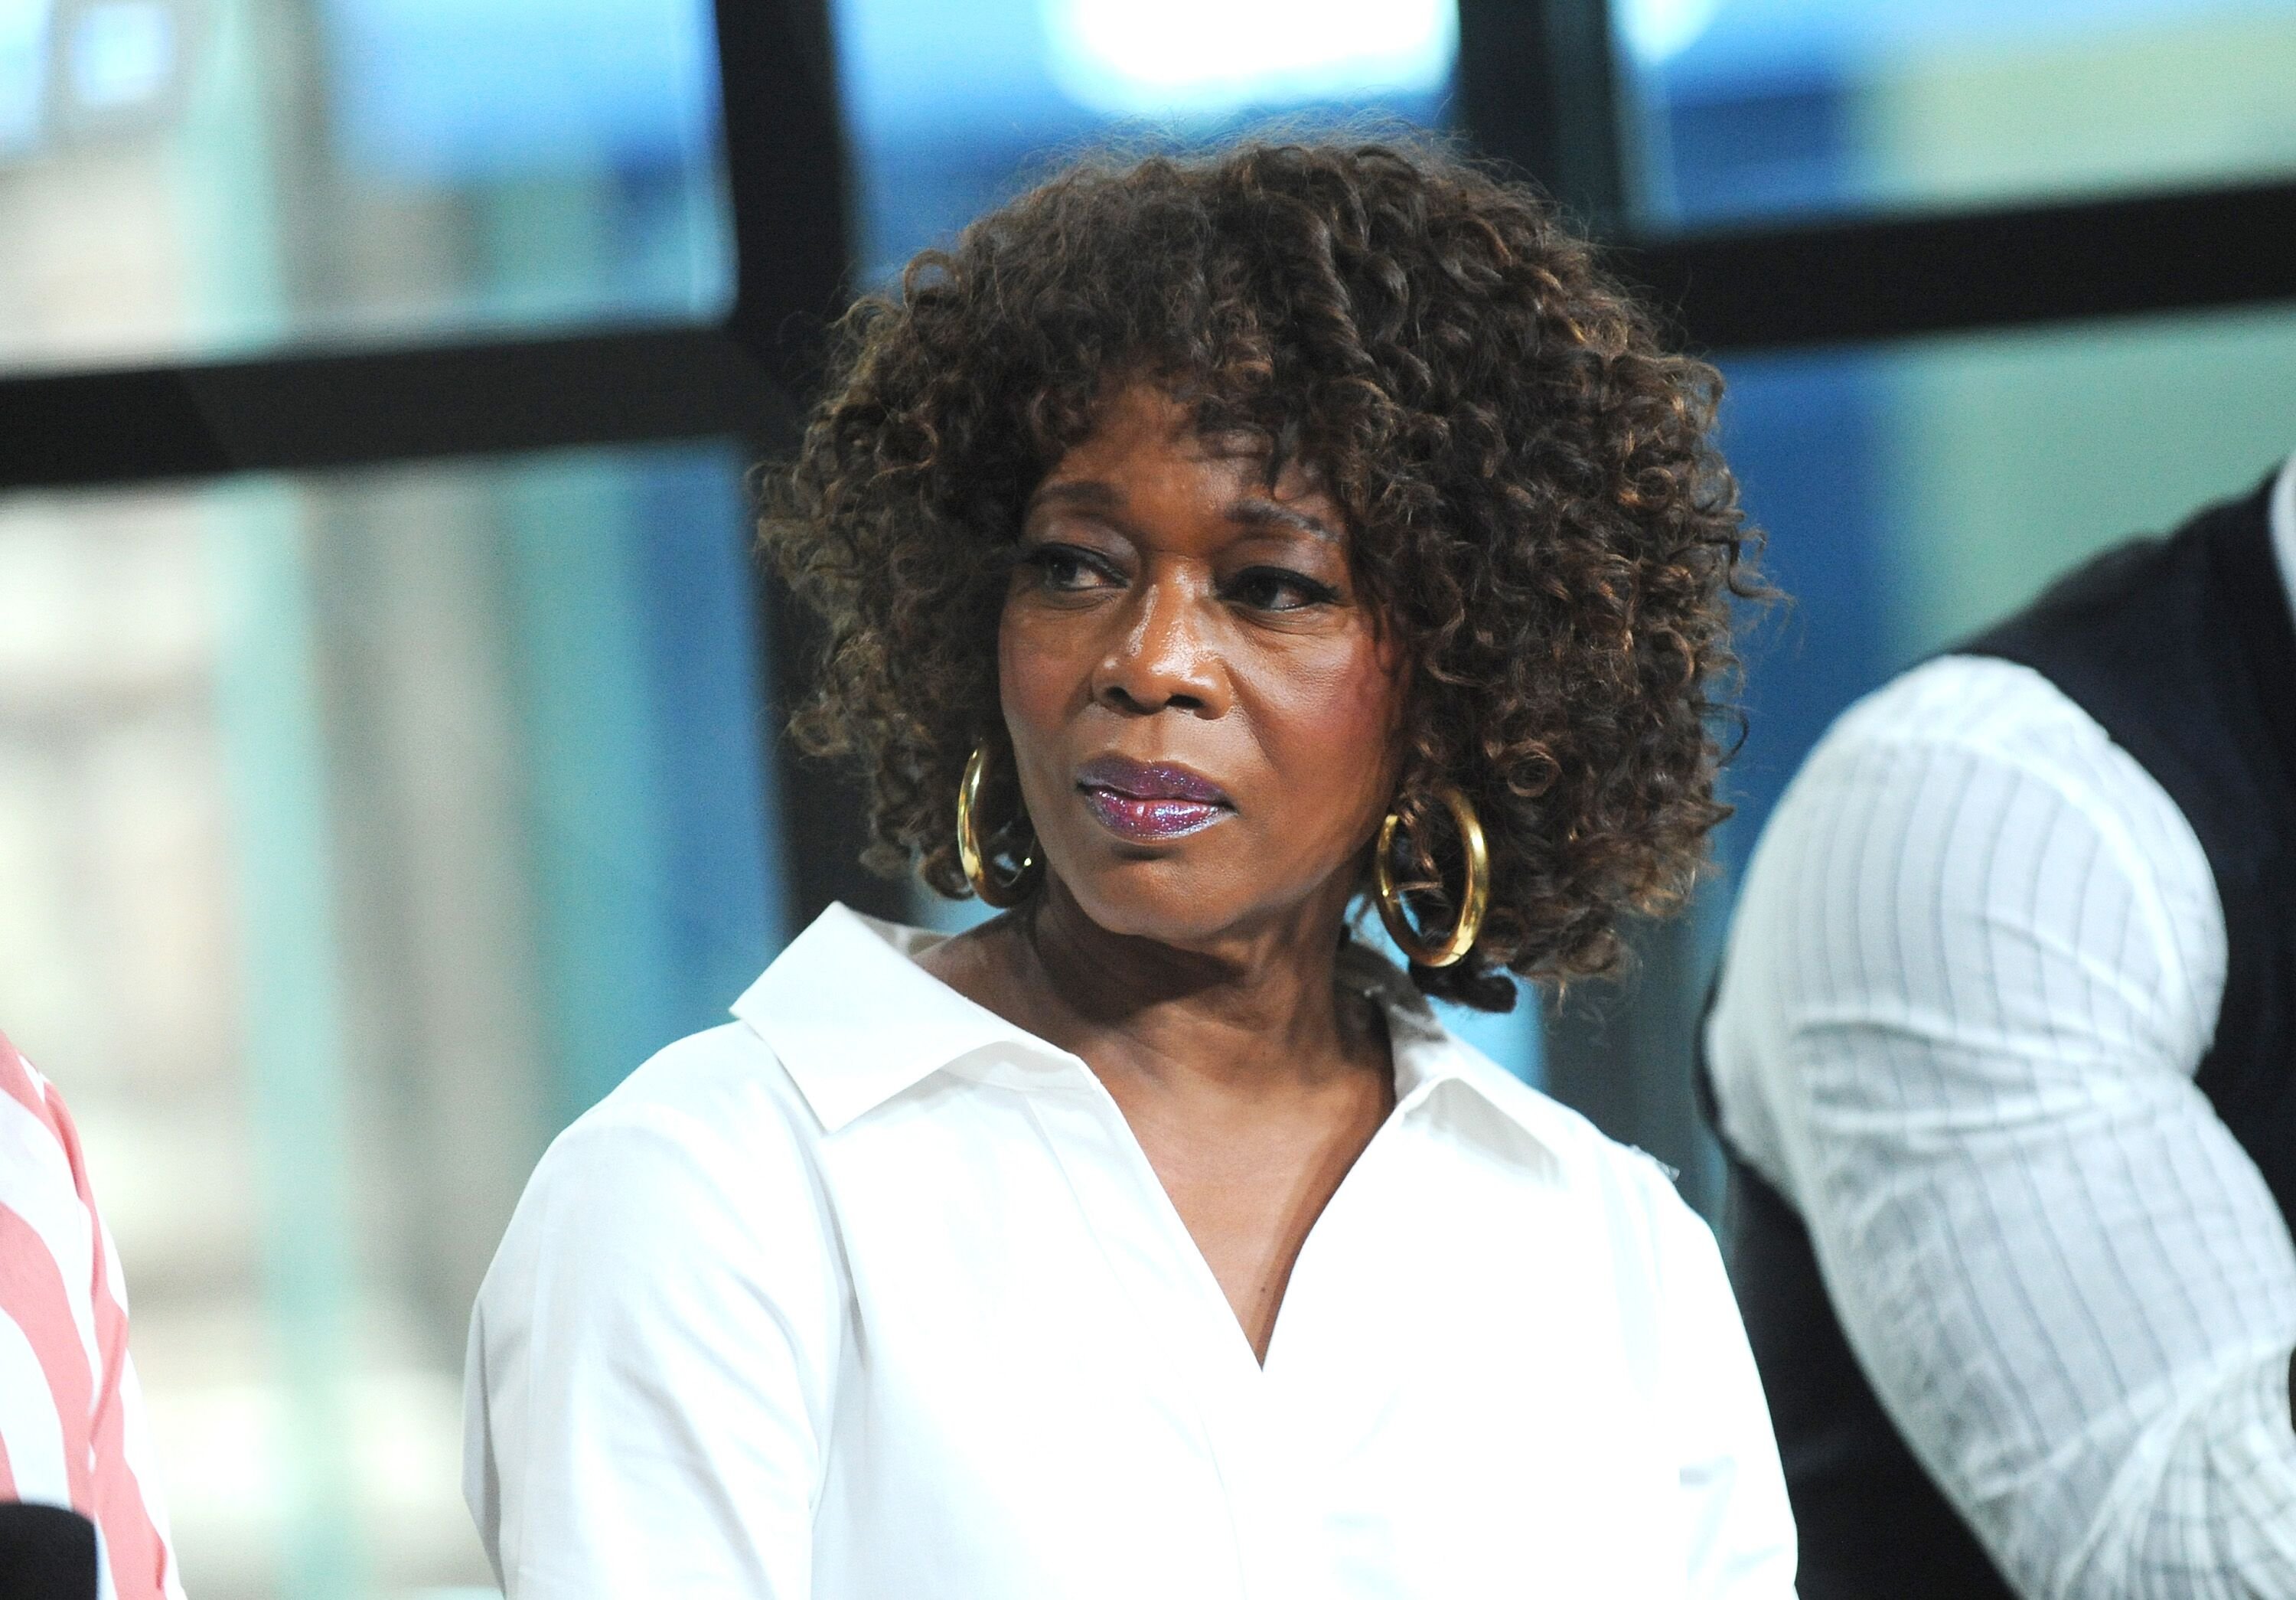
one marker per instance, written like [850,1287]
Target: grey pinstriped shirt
[1976,962]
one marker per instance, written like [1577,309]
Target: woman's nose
[1160,659]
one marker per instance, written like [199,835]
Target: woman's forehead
[1152,422]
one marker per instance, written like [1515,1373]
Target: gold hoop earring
[1472,907]
[1001,894]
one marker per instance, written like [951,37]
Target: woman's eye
[1064,567]
[1275,589]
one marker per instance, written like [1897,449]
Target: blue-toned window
[1746,109]
[1913,492]
[196,179]
[356,830]
[952,108]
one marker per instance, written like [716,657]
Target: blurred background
[390,707]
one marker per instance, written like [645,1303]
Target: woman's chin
[1187,904]
[1160,897]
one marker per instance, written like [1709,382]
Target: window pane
[213,178]
[356,832]
[1913,492]
[1745,108]
[952,108]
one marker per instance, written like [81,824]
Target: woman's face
[1207,723]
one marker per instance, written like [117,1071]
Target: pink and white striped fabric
[71,1418]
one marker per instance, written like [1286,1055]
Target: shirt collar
[2283,528]
[1428,1058]
[856,1021]
[1425,1052]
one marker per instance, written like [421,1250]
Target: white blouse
[872,1294]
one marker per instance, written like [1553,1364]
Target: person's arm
[72,1416]
[1971,978]
[649,1365]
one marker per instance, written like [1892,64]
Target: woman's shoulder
[706,1142]
[1618,1173]
[716,1109]
[673,1258]
[1631,1192]
[841,1020]
[697,1179]
[831,998]
[1663,1265]
[726,1076]
[1562,1144]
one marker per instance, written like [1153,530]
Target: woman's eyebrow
[1256,509]
[1088,493]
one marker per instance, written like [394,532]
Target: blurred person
[1204,546]
[72,1416]
[2005,1054]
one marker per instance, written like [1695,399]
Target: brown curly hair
[1536,505]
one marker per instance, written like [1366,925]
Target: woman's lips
[1132,817]
[1142,802]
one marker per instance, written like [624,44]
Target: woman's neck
[1254,1015]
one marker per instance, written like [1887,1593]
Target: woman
[1205,546]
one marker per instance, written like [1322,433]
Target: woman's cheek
[1026,663]
[1341,704]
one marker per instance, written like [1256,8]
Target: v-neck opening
[1182,1241]
[1363,971]
[1349,1181]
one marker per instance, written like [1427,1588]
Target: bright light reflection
[1133,58]
[23,66]
[1656,30]
[123,53]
